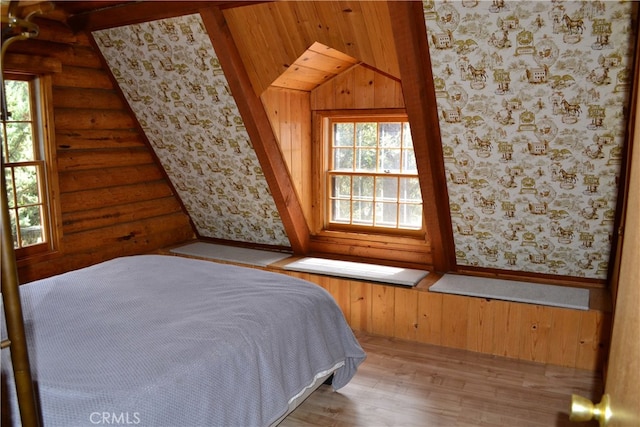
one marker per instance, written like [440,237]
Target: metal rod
[29,414]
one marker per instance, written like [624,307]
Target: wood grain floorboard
[410,384]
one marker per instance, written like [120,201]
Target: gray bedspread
[158,340]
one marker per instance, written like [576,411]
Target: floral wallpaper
[532,99]
[171,77]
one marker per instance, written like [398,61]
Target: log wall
[114,198]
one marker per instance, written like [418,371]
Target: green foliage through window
[23,167]
[373,178]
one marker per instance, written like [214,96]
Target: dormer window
[371,179]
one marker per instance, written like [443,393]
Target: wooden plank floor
[411,384]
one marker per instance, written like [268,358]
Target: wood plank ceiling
[272,36]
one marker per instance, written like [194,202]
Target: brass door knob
[582,409]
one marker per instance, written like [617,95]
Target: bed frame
[14,29]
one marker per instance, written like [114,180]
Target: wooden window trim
[405,249]
[53,222]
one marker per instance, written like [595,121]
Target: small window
[371,176]
[25,168]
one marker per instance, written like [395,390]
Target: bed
[160,340]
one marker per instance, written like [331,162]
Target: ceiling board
[272,36]
[315,66]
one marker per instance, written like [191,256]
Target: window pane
[366,134]
[363,187]
[341,186]
[410,216]
[30,225]
[387,189]
[410,190]
[341,211]
[343,134]
[409,161]
[14,233]
[20,140]
[363,213]
[26,180]
[366,159]
[343,159]
[390,135]
[390,160]
[9,183]
[17,93]
[386,214]
[407,141]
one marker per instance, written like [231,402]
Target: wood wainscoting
[552,335]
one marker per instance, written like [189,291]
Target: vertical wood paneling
[593,340]
[382,310]
[506,332]
[558,336]
[454,321]
[535,323]
[361,295]
[290,117]
[430,318]
[405,314]
[563,339]
[359,87]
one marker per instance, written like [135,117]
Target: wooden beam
[410,34]
[259,128]
[127,13]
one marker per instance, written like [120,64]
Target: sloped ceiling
[531,101]
[172,79]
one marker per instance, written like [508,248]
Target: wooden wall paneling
[429,318]
[97,245]
[132,237]
[70,160]
[506,331]
[454,321]
[563,337]
[593,341]
[344,91]
[360,306]
[109,216]
[79,98]
[289,114]
[480,325]
[406,314]
[382,310]
[67,118]
[364,86]
[535,323]
[114,196]
[83,77]
[553,335]
[110,177]
[92,139]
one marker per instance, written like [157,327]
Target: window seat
[510,290]
[240,255]
[357,270]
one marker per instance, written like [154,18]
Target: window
[371,176]
[25,167]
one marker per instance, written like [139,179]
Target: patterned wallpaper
[532,100]
[173,82]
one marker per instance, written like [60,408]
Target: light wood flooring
[409,384]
